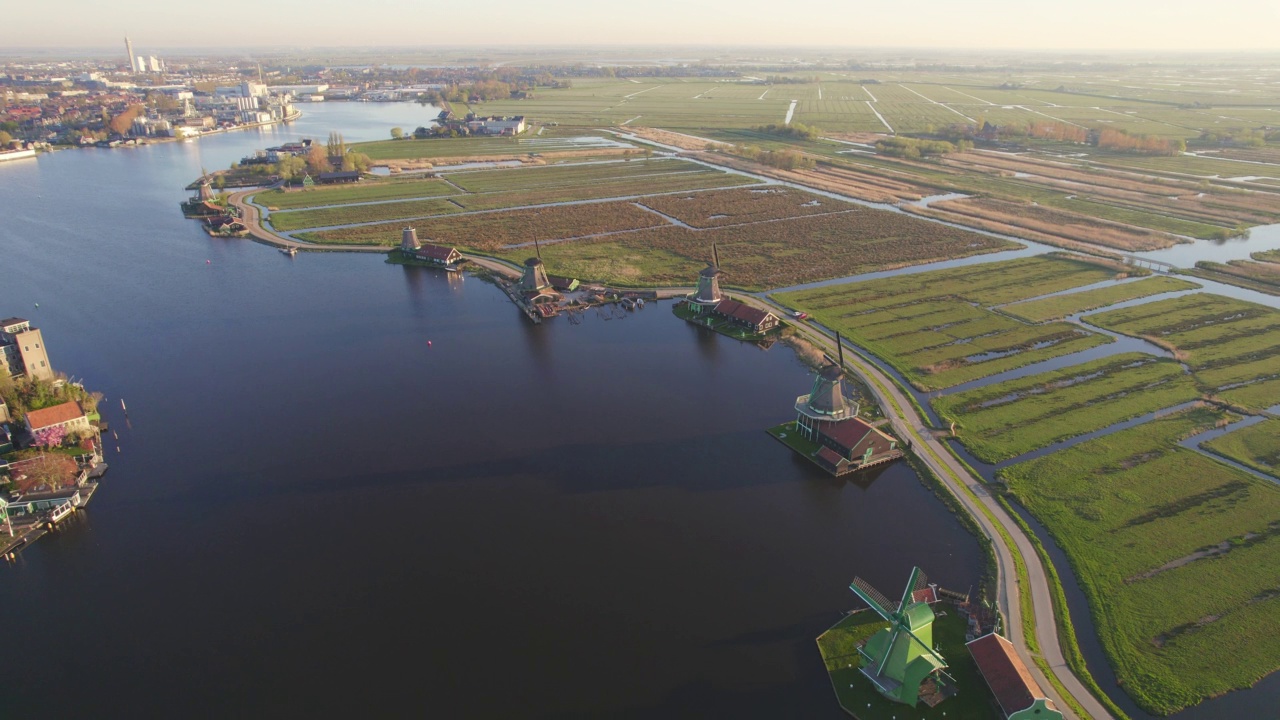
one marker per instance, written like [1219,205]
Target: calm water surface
[313,510]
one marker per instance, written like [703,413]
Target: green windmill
[900,660]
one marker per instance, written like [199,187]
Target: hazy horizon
[1233,26]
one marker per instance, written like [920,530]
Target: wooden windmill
[900,658]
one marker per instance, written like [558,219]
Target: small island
[50,439]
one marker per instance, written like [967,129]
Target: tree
[290,166]
[337,147]
[397,133]
[5,139]
[421,133]
[121,123]
[50,437]
[317,159]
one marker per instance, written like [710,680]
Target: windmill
[826,401]
[708,293]
[899,658]
[534,278]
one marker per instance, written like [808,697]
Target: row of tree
[795,131]
[781,159]
[913,149]
[1121,141]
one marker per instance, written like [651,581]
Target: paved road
[908,424]
[252,219]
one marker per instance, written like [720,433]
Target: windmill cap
[531,262]
[831,372]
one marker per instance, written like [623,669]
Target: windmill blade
[872,597]
[715,256]
[911,588]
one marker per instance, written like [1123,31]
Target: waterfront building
[707,296]
[447,257]
[754,319]
[900,660]
[22,350]
[1018,694]
[68,415]
[826,417]
[534,284]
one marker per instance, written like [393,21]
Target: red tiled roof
[55,415]
[830,456]
[435,252]
[738,311]
[847,432]
[1003,670]
[925,595]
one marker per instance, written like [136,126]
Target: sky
[1143,25]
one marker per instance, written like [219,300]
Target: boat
[290,251]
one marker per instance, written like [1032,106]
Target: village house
[447,257]
[754,319]
[851,444]
[68,415]
[1018,694]
[334,178]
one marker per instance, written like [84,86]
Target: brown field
[839,180]
[491,231]
[1051,223]
[1189,200]
[735,207]
[768,254]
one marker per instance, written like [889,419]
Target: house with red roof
[756,320]
[1018,694]
[852,444]
[69,415]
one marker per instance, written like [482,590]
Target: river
[346,487]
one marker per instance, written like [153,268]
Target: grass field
[1232,346]
[435,148]
[935,327]
[1008,419]
[494,231]
[856,694]
[343,214]
[1257,446]
[1177,553]
[545,176]
[364,192]
[1060,306]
